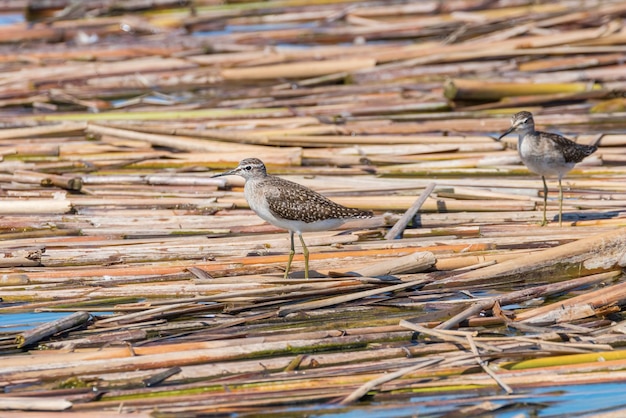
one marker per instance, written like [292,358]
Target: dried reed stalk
[36,334]
[297,70]
[604,251]
[153,244]
[33,404]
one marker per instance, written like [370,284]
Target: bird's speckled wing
[293,201]
[572,152]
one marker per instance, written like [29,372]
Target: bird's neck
[528,131]
[252,182]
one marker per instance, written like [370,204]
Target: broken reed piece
[73,184]
[335,300]
[24,257]
[601,252]
[387,377]
[298,69]
[33,206]
[97,340]
[411,263]
[452,336]
[526,294]
[396,231]
[582,306]
[178,142]
[485,365]
[462,89]
[43,130]
[29,403]
[158,378]
[13,279]
[36,334]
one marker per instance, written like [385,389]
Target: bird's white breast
[541,158]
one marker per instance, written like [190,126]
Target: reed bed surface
[163,292]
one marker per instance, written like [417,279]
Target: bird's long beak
[233,172]
[506,133]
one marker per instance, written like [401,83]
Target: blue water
[8,19]
[17,322]
[23,321]
[583,398]
[551,402]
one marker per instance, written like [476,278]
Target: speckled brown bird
[547,154]
[290,205]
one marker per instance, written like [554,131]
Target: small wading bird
[547,154]
[290,205]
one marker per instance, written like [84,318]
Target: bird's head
[520,122]
[247,168]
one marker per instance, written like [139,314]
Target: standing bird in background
[290,205]
[547,154]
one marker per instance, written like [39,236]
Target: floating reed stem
[457,89]
[603,251]
[298,70]
[20,258]
[357,101]
[371,385]
[43,331]
[397,230]
[286,310]
[412,263]
[73,184]
[34,206]
[98,340]
[577,307]
[8,403]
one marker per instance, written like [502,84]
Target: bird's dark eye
[248,168]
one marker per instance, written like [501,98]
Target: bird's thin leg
[291,253]
[560,202]
[545,200]
[305,251]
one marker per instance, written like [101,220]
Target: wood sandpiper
[547,154]
[290,205]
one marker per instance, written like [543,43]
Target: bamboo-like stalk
[459,338]
[22,257]
[97,340]
[73,184]
[364,389]
[43,331]
[36,131]
[588,303]
[412,263]
[33,404]
[397,230]
[574,359]
[13,279]
[346,298]
[178,142]
[474,309]
[297,70]
[479,90]
[484,365]
[34,206]
[104,362]
[599,252]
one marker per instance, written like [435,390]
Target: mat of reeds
[135,284]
